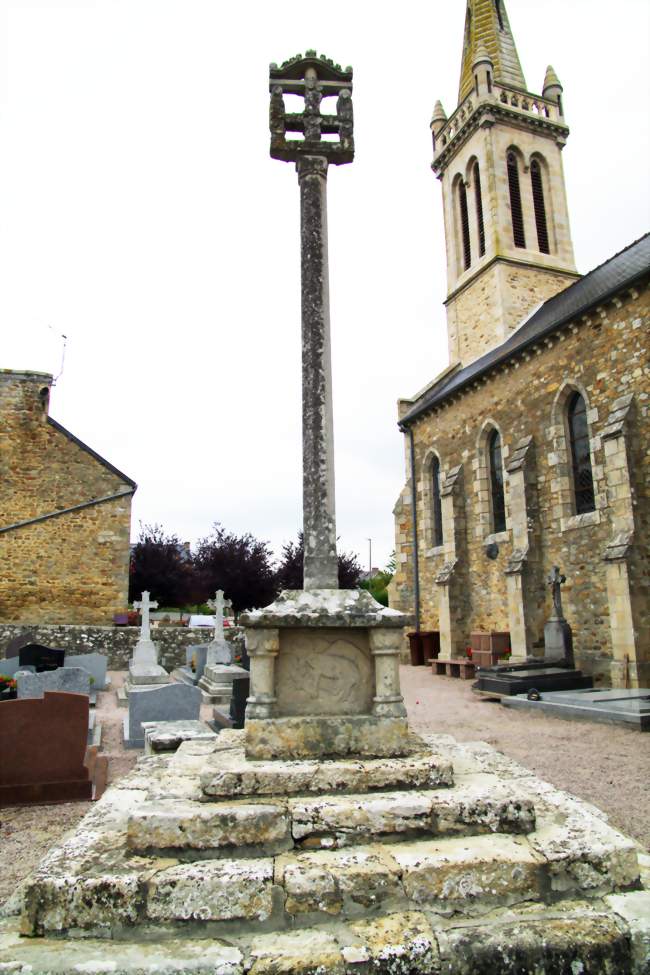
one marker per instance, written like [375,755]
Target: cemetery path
[606,765]
[602,764]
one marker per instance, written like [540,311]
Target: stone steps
[261,827]
[158,858]
[608,937]
[111,889]
[231,775]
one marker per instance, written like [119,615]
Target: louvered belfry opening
[583,481]
[479,210]
[540,206]
[464,224]
[437,502]
[515,201]
[496,482]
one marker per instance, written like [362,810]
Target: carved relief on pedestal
[324,672]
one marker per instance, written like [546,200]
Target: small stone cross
[145,604]
[556,581]
[218,604]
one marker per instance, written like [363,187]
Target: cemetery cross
[145,604]
[314,78]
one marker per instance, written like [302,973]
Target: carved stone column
[385,647]
[263,647]
[319,519]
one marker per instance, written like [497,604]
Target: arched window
[515,201]
[540,206]
[496,482]
[497,4]
[436,502]
[583,481]
[479,210]
[464,224]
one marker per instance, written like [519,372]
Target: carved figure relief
[321,672]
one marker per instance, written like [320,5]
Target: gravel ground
[606,765]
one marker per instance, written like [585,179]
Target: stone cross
[556,581]
[218,604]
[144,604]
[314,78]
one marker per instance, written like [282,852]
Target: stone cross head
[145,604]
[312,78]
[218,604]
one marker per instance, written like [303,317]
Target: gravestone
[40,657]
[11,667]
[43,743]
[72,680]
[192,670]
[219,650]
[95,664]
[235,715]
[171,702]
[144,667]
[558,638]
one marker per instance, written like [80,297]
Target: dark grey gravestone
[165,702]
[627,707]
[558,639]
[72,680]
[95,664]
[41,657]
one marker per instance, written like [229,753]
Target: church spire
[487,27]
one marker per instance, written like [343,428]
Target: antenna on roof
[65,342]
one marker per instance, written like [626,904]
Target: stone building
[531,449]
[65,515]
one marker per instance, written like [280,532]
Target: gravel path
[606,765]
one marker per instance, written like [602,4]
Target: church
[531,449]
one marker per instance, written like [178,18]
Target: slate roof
[620,271]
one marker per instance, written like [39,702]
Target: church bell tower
[499,158]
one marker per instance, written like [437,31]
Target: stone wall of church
[73,567]
[488,310]
[605,357]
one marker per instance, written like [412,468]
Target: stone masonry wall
[72,567]
[605,358]
[116,642]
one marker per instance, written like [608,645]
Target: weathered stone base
[146,674]
[605,938]
[205,861]
[320,737]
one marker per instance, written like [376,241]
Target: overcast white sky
[141,215]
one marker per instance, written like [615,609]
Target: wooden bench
[461,667]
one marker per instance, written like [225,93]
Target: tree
[289,574]
[160,564]
[239,564]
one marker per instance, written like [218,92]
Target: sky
[142,217]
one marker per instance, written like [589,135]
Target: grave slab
[630,708]
[171,702]
[167,736]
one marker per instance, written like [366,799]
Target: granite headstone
[95,664]
[72,680]
[167,702]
